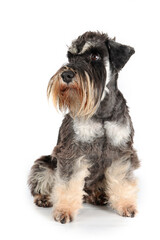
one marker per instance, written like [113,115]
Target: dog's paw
[128,211]
[42,201]
[62,216]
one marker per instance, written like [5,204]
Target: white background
[33,39]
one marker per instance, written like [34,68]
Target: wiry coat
[94,157]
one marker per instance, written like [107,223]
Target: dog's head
[94,59]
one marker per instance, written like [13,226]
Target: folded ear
[119,54]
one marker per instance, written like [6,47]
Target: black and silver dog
[94,158]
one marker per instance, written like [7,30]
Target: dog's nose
[67,76]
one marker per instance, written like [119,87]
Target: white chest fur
[117,133]
[87,130]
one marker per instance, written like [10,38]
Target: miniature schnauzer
[94,158]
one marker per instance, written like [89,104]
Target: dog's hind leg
[41,180]
[95,194]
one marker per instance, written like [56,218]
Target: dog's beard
[80,96]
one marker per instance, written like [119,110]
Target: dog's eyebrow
[72,49]
[87,46]
[92,45]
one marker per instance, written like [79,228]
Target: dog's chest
[88,130]
[118,134]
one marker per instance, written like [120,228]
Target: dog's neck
[113,107]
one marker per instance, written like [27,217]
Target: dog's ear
[118,54]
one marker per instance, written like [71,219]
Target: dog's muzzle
[67,76]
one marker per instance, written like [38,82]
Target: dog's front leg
[121,187]
[68,190]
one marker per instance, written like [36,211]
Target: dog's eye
[95,57]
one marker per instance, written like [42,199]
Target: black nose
[67,76]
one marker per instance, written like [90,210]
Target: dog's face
[79,85]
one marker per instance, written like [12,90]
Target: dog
[94,158]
